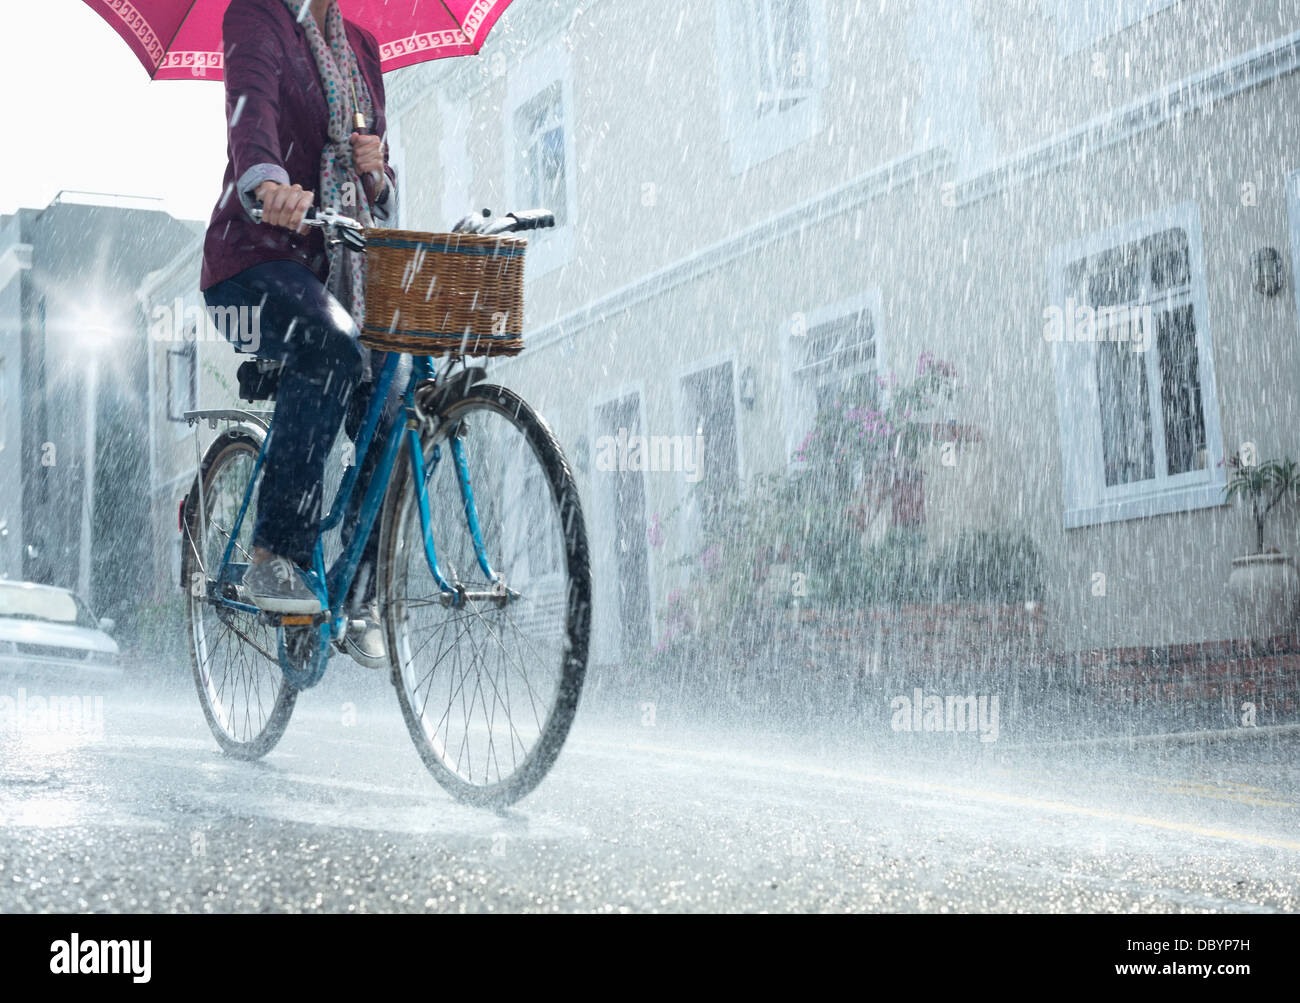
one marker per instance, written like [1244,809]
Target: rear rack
[262,418]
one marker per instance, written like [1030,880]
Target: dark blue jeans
[306,328]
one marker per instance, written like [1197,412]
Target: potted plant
[1264,584]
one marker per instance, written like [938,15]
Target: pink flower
[654,534]
[927,361]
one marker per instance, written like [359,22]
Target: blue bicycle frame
[332,585]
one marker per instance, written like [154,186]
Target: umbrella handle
[359,121]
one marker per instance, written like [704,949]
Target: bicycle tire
[241,442]
[400,524]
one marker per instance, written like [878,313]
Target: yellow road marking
[1210,792]
[996,797]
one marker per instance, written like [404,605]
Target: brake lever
[474,222]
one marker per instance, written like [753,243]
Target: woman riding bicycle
[305,113]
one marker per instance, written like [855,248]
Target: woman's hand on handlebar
[284,205]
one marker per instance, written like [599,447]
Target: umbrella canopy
[181,39]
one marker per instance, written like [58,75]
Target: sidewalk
[1203,689]
[810,669]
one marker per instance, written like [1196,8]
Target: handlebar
[511,222]
[350,231]
[320,218]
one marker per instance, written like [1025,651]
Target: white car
[47,631]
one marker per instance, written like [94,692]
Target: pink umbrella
[181,39]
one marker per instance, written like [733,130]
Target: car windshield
[37,602]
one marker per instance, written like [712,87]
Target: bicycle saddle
[259,379]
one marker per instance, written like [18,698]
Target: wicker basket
[444,293]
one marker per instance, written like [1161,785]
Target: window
[397,159]
[709,397]
[622,624]
[182,381]
[175,556]
[1139,418]
[539,141]
[1118,286]
[1082,23]
[542,171]
[1293,217]
[532,556]
[39,413]
[775,37]
[707,404]
[839,364]
[772,64]
[454,159]
[832,361]
[948,49]
[4,404]
[544,558]
[533,560]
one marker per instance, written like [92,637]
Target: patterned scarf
[338,178]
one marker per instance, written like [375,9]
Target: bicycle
[483,577]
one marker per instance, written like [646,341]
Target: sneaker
[365,637]
[277,585]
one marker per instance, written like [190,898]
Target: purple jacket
[277,126]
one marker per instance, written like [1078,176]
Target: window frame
[689,534]
[397,161]
[190,349]
[548,249]
[454,159]
[1087,499]
[1293,221]
[606,640]
[533,145]
[1079,26]
[751,139]
[797,420]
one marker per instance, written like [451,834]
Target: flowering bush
[678,620]
[856,458]
[851,466]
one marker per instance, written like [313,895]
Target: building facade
[75,387]
[764,203]
[190,367]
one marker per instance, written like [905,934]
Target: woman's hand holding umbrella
[367,154]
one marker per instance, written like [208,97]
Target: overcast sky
[84,115]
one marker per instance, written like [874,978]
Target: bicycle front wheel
[488,681]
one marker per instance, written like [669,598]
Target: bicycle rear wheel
[241,689]
[488,685]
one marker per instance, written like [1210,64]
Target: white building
[762,201]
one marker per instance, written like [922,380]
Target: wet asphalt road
[147,815]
